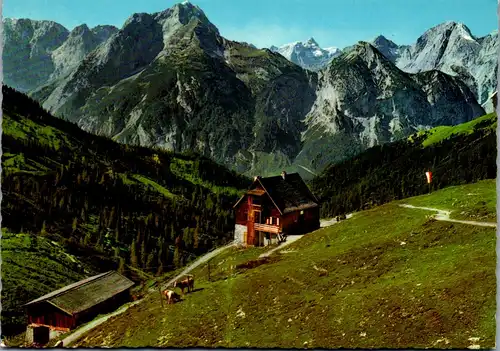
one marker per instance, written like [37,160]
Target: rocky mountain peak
[442,32]
[184,12]
[81,41]
[307,54]
[79,30]
[137,19]
[387,47]
[104,32]
[311,42]
[18,23]
[383,42]
[366,51]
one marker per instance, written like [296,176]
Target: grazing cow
[171,296]
[185,283]
[190,281]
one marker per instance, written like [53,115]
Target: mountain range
[449,47]
[170,80]
[36,52]
[308,54]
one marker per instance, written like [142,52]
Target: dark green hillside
[106,203]
[33,265]
[456,155]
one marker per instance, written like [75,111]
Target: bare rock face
[27,51]
[36,52]
[81,40]
[169,79]
[451,48]
[364,100]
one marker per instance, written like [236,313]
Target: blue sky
[277,22]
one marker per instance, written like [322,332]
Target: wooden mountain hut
[63,310]
[275,205]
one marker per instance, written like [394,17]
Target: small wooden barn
[63,310]
[272,205]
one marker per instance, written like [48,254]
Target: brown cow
[185,283]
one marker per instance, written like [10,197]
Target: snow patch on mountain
[307,54]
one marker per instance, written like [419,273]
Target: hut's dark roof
[86,293]
[289,194]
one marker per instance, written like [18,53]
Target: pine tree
[143,254]
[187,236]
[133,256]
[44,229]
[88,239]
[172,234]
[159,271]
[196,233]
[75,224]
[151,261]
[121,267]
[111,217]
[177,257]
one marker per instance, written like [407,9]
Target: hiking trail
[444,215]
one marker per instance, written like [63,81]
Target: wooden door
[258,217]
[41,335]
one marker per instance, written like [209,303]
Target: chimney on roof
[283,175]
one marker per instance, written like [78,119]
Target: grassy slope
[25,129]
[435,290]
[475,201]
[438,134]
[34,266]
[480,201]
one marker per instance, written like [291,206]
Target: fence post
[208,263]
[161,296]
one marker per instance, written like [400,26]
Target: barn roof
[289,194]
[86,293]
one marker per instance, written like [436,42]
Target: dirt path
[443,215]
[292,238]
[78,333]
[326,223]
[289,239]
[203,259]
